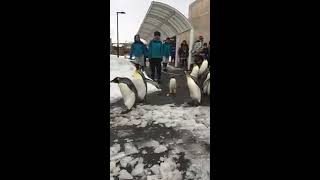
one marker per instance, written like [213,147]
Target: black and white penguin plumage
[140,76]
[128,91]
[141,85]
[195,71]
[150,81]
[203,67]
[194,89]
[206,85]
[172,85]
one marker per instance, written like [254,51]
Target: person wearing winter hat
[155,56]
[139,51]
[166,53]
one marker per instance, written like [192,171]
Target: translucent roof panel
[165,19]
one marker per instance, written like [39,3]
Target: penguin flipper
[193,103]
[153,83]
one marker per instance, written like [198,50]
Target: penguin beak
[113,81]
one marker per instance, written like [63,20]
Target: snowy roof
[165,19]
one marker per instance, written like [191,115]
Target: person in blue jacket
[155,56]
[166,53]
[138,50]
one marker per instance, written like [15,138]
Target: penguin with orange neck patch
[140,81]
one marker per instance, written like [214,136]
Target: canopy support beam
[190,47]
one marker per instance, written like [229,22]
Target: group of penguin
[134,90]
[198,82]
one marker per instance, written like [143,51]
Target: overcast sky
[130,22]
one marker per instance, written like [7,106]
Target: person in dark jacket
[138,50]
[166,47]
[196,50]
[155,56]
[205,51]
[173,53]
[183,53]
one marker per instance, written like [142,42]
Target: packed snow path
[163,138]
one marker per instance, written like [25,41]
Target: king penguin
[172,85]
[128,91]
[195,71]
[203,67]
[206,85]
[194,89]
[139,81]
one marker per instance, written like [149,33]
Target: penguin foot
[193,103]
[143,102]
[125,111]
[190,103]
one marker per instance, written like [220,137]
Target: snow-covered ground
[121,67]
[194,119]
[177,130]
[165,142]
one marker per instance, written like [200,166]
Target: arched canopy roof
[165,19]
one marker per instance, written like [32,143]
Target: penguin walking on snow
[141,85]
[128,91]
[172,85]
[140,82]
[144,76]
[194,89]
